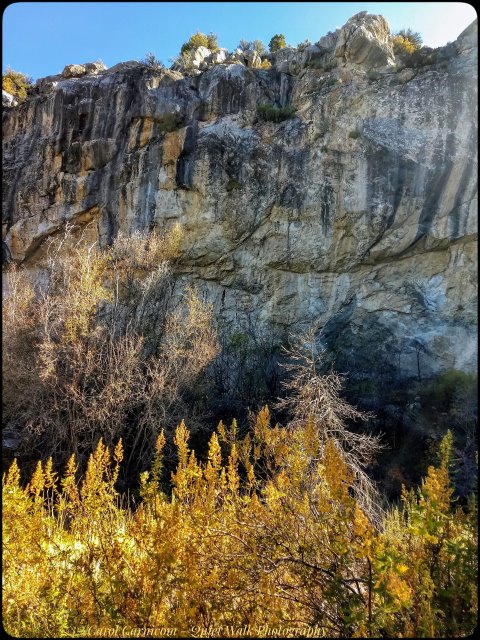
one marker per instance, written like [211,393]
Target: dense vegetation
[103,348]
[265,534]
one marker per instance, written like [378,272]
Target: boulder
[93,68]
[236,57]
[405,75]
[287,60]
[74,71]
[199,55]
[125,66]
[467,46]
[329,41]
[251,58]
[218,57]
[195,60]
[468,39]
[365,40]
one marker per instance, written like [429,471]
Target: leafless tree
[311,395]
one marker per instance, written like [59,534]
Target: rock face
[358,215]
[8,100]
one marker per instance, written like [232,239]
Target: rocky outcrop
[74,71]
[78,70]
[362,44]
[251,58]
[357,215]
[365,40]
[8,100]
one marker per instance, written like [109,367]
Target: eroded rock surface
[8,100]
[357,215]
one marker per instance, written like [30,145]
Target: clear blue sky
[40,38]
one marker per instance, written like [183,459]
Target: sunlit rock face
[358,215]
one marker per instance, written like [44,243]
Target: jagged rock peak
[365,40]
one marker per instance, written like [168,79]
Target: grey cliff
[358,215]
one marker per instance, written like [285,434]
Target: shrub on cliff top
[406,42]
[254,45]
[152,61]
[199,39]
[16,83]
[413,37]
[277,42]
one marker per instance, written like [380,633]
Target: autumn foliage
[16,83]
[264,531]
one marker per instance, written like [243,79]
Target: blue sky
[40,38]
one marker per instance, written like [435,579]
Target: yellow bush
[199,39]
[265,532]
[16,83]
[406,42]
[403,45]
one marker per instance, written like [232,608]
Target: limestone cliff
[358,214]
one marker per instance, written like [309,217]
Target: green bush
[16,83]
[402,47]
[243,45]
[239,340]
[199,39]
[271,113]
[422,57]
[407,45]
[254,45]
[277,42]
